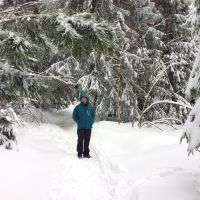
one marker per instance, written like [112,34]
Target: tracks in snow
[99,179]
[89,179]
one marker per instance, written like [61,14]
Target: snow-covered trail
[127,164]
[152,171]
[96,178]
[93,179]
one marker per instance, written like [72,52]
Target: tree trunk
[93,6]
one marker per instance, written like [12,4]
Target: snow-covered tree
[132,57]
[7,134]
[154,57]
[44,48]
[192,125]
[152,62]
[170,43]
[193,89]
[192,128]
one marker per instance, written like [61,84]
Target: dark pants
[83,141]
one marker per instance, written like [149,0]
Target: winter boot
[87,156]
[79,155]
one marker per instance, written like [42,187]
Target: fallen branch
[161,121]
[151,123]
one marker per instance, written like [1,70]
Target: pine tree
[43,48]
[132,57]
[7,133]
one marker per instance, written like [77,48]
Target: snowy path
[127,164]
[103,178]
[94,179]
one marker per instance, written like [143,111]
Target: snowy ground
[127,164]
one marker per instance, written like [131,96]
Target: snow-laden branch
[24,6]
[25,16]
[161,121]
[191,129]
[168,102]
[7,69]
[154,83]
[194,76]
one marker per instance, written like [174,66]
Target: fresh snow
[192,127]
[194,76]
[127,164]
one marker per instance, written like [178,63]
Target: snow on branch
[6,69]
[161,121]
[194,77]
[31,7]
[7,134]
[78,33]
[168,102]
[191,129]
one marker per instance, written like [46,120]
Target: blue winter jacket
[84,114]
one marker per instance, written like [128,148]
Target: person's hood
[84,94]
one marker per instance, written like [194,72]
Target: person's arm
[93,115]
[75,114]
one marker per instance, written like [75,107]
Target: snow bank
[27,172]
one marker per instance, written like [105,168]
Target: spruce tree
[43,49]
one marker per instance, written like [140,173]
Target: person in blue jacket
[84,116]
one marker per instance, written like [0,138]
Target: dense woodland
[133,57]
